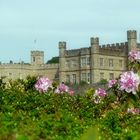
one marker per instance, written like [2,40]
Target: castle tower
[132,40]
[62,49]
[94,42]
[37,57]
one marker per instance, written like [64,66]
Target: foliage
[53,60]
[42,116]
[30,115]
[89,93]
[103,82]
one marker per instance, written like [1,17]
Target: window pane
[83,77]
[74,78]
[101,75]
[83,61]
[111,75]
[110,62]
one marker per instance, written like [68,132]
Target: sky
[27,25]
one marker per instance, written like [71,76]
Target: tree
[53,60]
[103,82]
[11,62]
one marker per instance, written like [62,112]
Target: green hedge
[31,115]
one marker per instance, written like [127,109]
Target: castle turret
[94,44]
[62,49]
[132,40]
[37,57]
[94,58]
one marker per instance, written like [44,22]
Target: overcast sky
[73,21]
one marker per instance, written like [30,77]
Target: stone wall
[14,71]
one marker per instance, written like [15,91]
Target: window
[110,62]
[101,75]
[120,63]
[88,61]
[111,75]
[33,59]
[101,61]
[83,76]
[73,63]
[68,78]
[74,78]
[83,61]
[88,77]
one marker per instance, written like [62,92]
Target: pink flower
[57,91]
[71,92]
[98,94]
[62,88]
[111,83]
[133,110]
[129,82]
[134,55]
[43,84]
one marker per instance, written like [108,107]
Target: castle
[89,64]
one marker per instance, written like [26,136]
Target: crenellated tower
[62,49]
[37,57]
[132,40]
[94,42]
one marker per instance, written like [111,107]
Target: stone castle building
[37,67]
[89,64]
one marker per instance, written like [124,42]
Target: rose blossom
[133,110]
[98,94]
[43,84]
[129,82]
[111,83]
[134,55]
[62,88]
[71,92]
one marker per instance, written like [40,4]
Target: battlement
[62,45]
[84,51]
[94,40]
[73,52]
[114,49]
[131,34]
[37,52]
[115,46]
[77,52]
[14,66]
[28,66]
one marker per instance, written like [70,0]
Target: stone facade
[89,64]
[36,68]
[97,61]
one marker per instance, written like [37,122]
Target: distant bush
[53,60]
